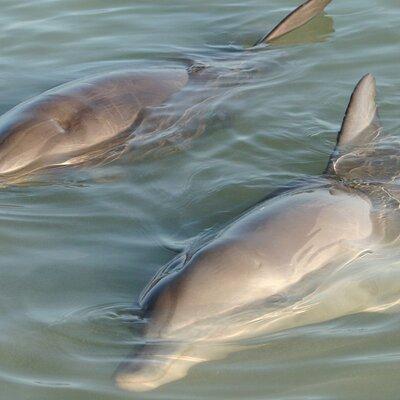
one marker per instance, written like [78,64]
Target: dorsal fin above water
[361,113]
[297,18]
[361,125]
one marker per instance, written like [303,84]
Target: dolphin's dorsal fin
[297,18]
[361,113]
[361,124]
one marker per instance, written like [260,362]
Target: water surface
[76,252]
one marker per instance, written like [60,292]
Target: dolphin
[92,120]
[274,268]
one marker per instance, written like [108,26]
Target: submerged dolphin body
[91,120]
[272,269]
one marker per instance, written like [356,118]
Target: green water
[76,252]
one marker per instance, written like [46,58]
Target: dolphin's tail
[297,18]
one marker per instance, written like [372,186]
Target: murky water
[76,252]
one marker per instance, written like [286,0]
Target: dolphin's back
[70,120]
[261,254]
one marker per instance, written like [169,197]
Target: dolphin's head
[180,330]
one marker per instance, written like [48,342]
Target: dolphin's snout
[139,376]
[150,368]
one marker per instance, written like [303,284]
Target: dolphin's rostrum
[263,273]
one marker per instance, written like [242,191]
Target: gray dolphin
[273,268]
[91,120]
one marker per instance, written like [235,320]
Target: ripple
[77,250]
